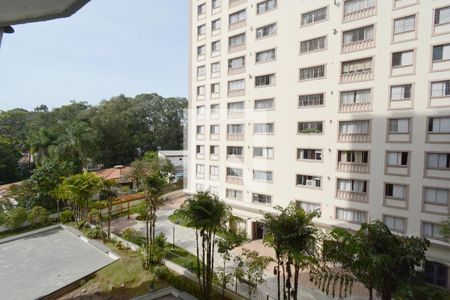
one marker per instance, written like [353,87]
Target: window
[439,125]
[201,9]
[310,127]
[267,30]
[215,67]
[235,128]
[263,152]
[354,127]
[396,224]
[351,185]
[401,92]
[214,170]
[436,196]
[200,149]
[215,88]
[358,157]
[214,129]
[201,29]
[436,274]
[441,52]
[358,35]
[201,129]
[440,88]
[308,206]
[215,4]
[214,150]
[356,96]
[201,50]
[432,230]
[351,215]
[215,46]
[309,154]
[200,169]
[237,17]
[442,15]
[314,16]
[200,111]
[395,191]
[313,44]
[236,40]
[262,104]
[235,151]
[357,66]
[312,72]
[311,100]
[265,6]
[405,24]
[235,107]
[265,80]
[215,25]
[234,194]
[397,159]
[236,63]
[309,180]
[215,109]
[265,56]
[234,172]
[262,199]
[398,126]
[263,128]
[404,58]
[236,85]
[262,175]
[201,90]
[440,161]
[201,71]
[351,6]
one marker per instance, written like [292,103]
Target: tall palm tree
[109,191]
[40,144]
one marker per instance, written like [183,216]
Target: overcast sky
[109,47]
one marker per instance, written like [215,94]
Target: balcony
[235,158]
[236,93]
[357,76]
[236,115]
[213,156]
[352,196]
[200,156]
[235,180]
[235,137]
[234,3]
[354,138]
[213,177]
[214,136]
[359,45]
[234,71]
[349,167]
[237,25]
[200,136]
[355,107]
[235,48]
[359,14]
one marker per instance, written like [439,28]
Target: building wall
[286,113]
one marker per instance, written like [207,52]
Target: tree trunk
[109,219]
[386,295]
[278,276]
[296,277]
[198,258]
[370,294]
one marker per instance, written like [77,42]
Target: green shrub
[66,216]
[16,218]
[3,218]
[133,236]
[161,240]
[161,271]
[38,216]
[94,233]
[422,292]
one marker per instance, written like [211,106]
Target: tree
[9,157]
[206,214]
[40,143]
[108,191]
[250,268]
[78,190]
[382,261]
[16,218]
[38,216]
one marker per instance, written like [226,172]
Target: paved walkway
[185,238]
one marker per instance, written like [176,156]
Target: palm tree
[206,214]
[109,191]
[40,144]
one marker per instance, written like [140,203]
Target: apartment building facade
[340,106]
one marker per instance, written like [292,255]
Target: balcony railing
[237,25]
[235,158]
[236,48]
[214,136]
[235,136]
[235,180]
[353,167]
[233,3]
[236,115]
[352,196]
[357,76]
[359,14]
[213,157]
[200,156]
[354,137]
[355,107]
[359,45]
[236,93]
[234,71]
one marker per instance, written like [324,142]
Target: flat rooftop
[41,262]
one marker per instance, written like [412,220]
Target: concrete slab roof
[41,262]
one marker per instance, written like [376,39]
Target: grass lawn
[177,219]
[181,257]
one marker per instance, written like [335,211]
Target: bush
[94,233]
[3,218]
[16,218]
[38,216]
[133,236]
[66,216]
[161,240]
[423,292]
[161,271]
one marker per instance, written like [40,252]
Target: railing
[353,167]
[235,180]
[359,45]
[236,93]
[237,25]
[363,106]
[235,48]
[235,158]
[354,138]
[233,3]
[359,14]
[352,196]
[234,71]
[236,115]
[235,136]
[357,76]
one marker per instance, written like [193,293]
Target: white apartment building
[341,106]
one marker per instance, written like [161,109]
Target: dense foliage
[116,131]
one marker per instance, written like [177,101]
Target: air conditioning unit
[310,182]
